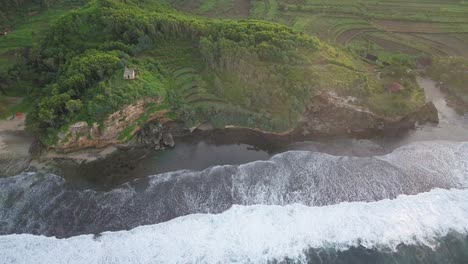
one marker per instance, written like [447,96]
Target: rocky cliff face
[327,116]
[331,115]
[81,135]
[155,135]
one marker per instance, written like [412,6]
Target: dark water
[126,166]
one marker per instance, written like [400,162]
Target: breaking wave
[259,233]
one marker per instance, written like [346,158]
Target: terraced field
[190,82]
[415,27]
[185,70]
[435,27]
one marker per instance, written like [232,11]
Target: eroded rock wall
[82,135]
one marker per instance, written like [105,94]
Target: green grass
[5,63]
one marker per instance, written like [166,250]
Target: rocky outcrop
[155,135]
[331,115]
[426,114]
[151,135]
[82,135]
[168,140]
[327,116]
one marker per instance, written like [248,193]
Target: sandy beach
[14,146]
[17,124]
[14,141]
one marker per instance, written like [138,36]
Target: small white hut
[129,74]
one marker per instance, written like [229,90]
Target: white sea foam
[257,233]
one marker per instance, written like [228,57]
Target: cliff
[331,115]
[116,129]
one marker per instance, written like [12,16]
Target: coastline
[329,118]
[319,122]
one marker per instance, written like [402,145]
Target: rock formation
[331,115]
[81,135]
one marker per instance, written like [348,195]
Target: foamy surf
[44,205]
[258,233]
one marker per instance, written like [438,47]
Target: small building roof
[129,71]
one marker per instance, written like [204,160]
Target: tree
[74,105]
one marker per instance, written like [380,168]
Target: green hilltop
[229,72]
